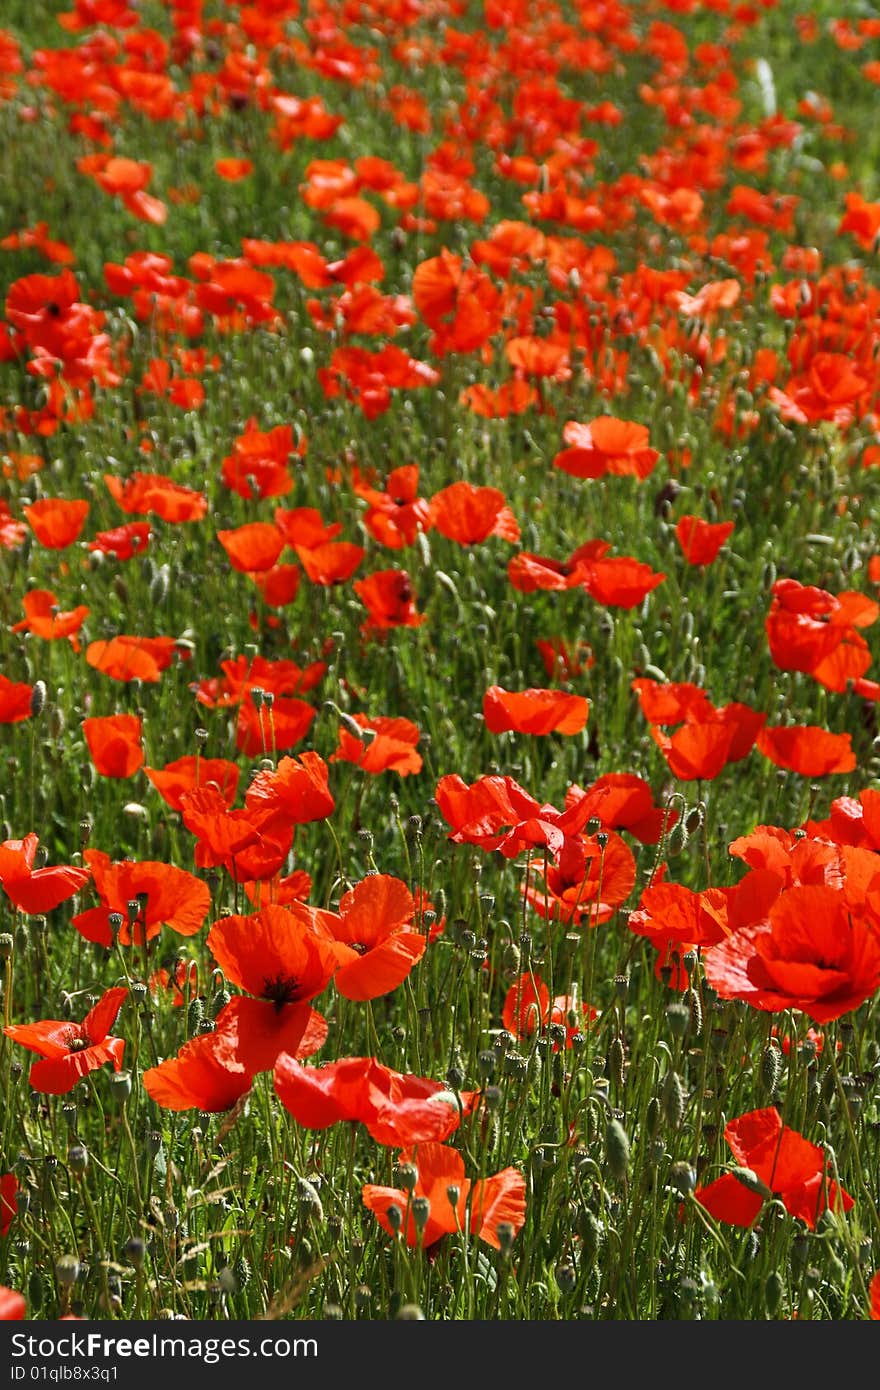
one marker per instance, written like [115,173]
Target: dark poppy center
[53,309]
[282,990]
[359,947]
[78,1044]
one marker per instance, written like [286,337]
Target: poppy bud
[616,1062]
[771,1067]
[774,1292]
[38,698]
[692,999]
[751,1182]
[678,1016]
[454,1194]
[566,1277]
[7,945]
[673,1099]
[617,1150]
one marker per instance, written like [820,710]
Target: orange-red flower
[71,1050]
[372,937]
[44,618]
[129,658]
[160,893]
[183,775]
[151,492]
[389,599]
[527,1010]
[606,445]
[57,522]
[469,515]
[807,749]
[283,964]
[810,952]
[114,742]
[786,1164]
[396,1109]
[36,890]
[207,1074]
[701,540]
[534,711]
[387,745]
[478,1207]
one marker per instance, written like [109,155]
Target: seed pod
[692,999]
[616,1062]
[673,1099]
[617,1150]
[771,1067]
[774,1292]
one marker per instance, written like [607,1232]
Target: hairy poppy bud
[771,1067]
[38,698]
[617,1150]
[672,1099]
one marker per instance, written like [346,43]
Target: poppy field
[440,660]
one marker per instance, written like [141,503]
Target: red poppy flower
[8,1203]
[620,581]
[497,813]
[57,522]
[388,597]
[124,542]
[512,398]
[480,1208]
[36,890]
[115,744]
[72,1050]
[129,658]
[291,888]
[279,585]
[44,618]
[875,1298]
[15,701]
[152,492]
[272,955]
[701,540]
[527,1010]
[252,843]
[788,1166]
[297,790]
[374,949]
[255,546]
[206,1074]
[622,801]
[469,515]
[12,532]
[807,749]
[810,952]
[591,880]
[606,445]
[397,1109]
[396,516]
[672,702]
[262,728]
[164,894]
[388,745]
[283,963]
[534,711]
[12,1305]
[331,563]
[811,630]
[233,169]
[175,779]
